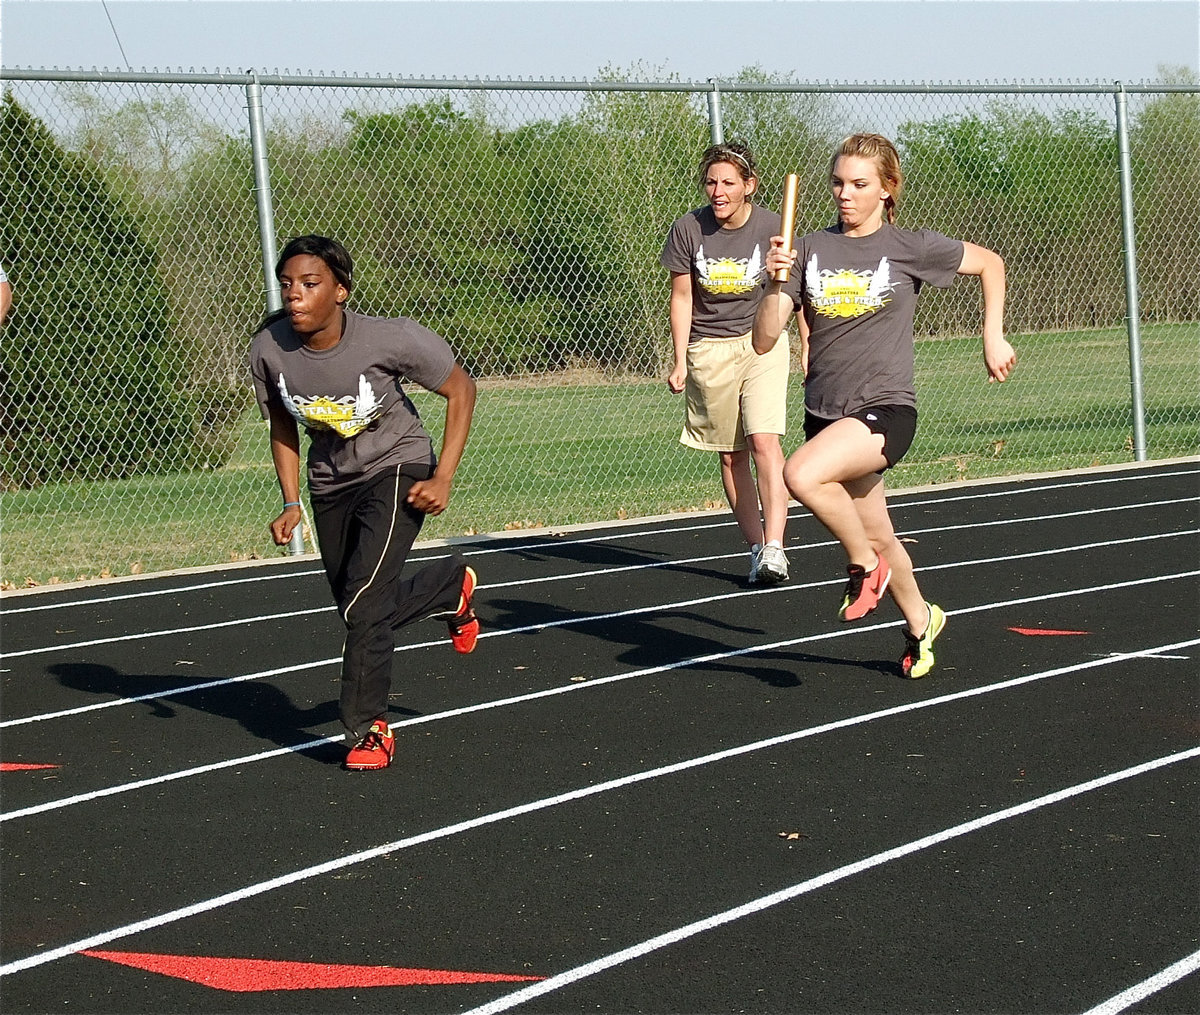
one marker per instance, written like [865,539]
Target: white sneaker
[755,551]
[772,564]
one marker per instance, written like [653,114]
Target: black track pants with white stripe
[366,533]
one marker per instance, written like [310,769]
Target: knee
[364,618]
[886,544]
[766,449]
[734,461]
[361,629]
[799,480]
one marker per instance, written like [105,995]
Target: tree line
[533,248]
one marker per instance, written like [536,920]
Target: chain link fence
[523,221]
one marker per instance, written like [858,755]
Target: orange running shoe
[375,750]
[464,625]
[864,590]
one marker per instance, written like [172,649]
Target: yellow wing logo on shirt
[729,275]
[346,416]
[847,293]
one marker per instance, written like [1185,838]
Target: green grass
[558,454]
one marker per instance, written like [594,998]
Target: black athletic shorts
[897,423]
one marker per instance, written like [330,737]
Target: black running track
[651,788]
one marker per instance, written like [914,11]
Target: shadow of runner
[671,636]
[263,710]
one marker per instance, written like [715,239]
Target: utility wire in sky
[154,132]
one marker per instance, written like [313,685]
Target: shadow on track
[264,711]
[673,635]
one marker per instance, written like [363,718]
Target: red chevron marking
[269,974]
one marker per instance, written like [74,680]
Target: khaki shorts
[732,391]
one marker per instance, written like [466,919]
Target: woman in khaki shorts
[736,400]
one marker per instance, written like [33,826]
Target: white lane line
[897,499]
[601,572]
[591,618]
[600,682]
[484,706]
[340,863]
[1141,991]
[763,902]
[165,633]
[151,593]
[802,586]
[159,780]
[576,575]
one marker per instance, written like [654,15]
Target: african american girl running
[855,292]
[372,472]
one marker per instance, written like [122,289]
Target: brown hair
[883,153]
[733,152]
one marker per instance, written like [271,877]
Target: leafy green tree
[604,187]
[91,388]
[188,186]
[1042,190]
[428,203]
[789,132]
[141,145]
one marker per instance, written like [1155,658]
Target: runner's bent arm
[776,305]
[433,494]
[998,354]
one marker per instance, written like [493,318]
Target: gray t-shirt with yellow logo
[728,268]
[349,398]
[859,295]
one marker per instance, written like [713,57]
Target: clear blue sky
[693,40]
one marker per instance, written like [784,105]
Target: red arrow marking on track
[268,974]
[1042,630]
[14,766]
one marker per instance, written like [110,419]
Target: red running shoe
[464,625]
[375,750]
[864,590]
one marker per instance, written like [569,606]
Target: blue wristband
[292,503]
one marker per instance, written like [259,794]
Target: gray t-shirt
[859,295]
[727,267]
[349,398]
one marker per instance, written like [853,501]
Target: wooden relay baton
[787,225]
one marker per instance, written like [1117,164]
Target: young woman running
[372,472]
[717,259]
[855,292]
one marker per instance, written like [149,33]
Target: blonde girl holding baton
[855,287]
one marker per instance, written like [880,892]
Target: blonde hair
[883,153]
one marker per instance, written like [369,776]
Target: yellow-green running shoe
[918,652]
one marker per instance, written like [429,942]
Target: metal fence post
[1132,311]
[262,192]
[266,227]
[716,130]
